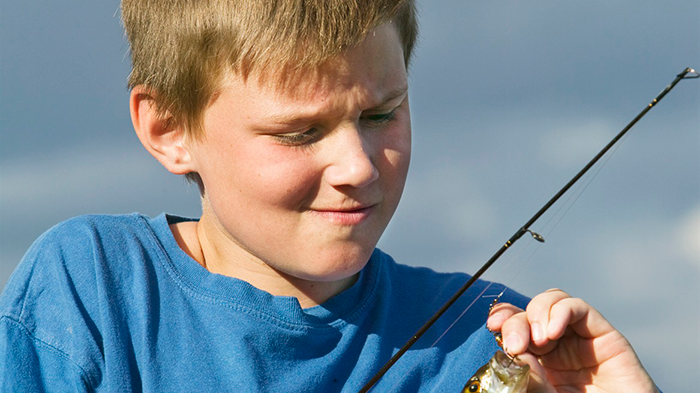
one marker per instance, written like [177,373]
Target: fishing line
[506,284]
[476,298]
[505,267]
[688,73]
[565,205]
[578,191]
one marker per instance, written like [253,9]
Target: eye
[473,386]
[378,119]
[297,138]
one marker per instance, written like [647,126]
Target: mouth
[352,216]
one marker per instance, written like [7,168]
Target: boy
[293,119]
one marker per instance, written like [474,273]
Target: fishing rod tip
[690,73]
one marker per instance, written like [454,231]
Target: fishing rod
[688,73]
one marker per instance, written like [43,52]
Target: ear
[164,140]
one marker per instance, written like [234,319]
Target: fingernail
[496,319]
[513,341]
[537,332]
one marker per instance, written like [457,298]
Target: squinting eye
[297,139]
[380,118]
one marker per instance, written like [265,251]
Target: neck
[207,243]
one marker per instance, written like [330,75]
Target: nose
[351,159]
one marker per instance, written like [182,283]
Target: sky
[509,100]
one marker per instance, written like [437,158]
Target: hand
[569,346]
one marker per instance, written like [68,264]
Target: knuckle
[558,291]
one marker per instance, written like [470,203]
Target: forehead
[372,70]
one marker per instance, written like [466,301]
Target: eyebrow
[393,94]
[291,118]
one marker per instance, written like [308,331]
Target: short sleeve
[45,344]
[29,365]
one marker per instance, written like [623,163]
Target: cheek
[290,184]
[396,151]
[252,177]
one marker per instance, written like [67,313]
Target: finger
[515,330]
[516,334]
[499,314]
[585,320]
[538,314]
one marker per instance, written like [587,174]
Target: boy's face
[305,179]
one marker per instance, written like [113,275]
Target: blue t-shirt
[111,303]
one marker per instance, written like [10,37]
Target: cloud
[688,234]
[573,145]
[70,176]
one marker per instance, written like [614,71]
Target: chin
[335,267]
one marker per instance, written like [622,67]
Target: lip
[352,216]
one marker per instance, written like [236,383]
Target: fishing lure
[688,73]
[501,374]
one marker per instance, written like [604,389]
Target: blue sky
[509,100]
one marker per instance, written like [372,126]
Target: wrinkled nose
[351,160]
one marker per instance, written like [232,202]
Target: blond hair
[181,49]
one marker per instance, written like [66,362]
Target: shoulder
[52,304]
[73,257]
[426,289]
[420,275]
[419,278]
[458,339]
[72,283]
[82,241]
[99,227]
[95,237]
